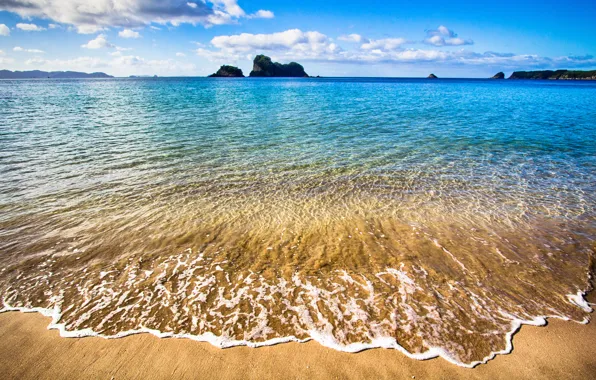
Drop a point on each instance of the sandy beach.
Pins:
(562, 350)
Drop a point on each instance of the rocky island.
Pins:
(264, 67)
(556, 75)
(37, 74)
(432, 76)
(499, 75)
(227, 71)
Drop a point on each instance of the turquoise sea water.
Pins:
(476, 197)
(82, 134)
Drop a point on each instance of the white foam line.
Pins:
(322, 338)
(579, 300)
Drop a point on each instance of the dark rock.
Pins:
(432, 76)
(228, 72)
(264, 67)
(499, 75)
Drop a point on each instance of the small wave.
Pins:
(321, 337)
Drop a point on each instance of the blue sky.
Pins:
(331, 38)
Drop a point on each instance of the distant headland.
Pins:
(556, 75)
(37, 74)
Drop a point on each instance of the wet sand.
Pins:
(29, 351)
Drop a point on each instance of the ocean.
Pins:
(434, 217)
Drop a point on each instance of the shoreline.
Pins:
(562, 349)
(579, 299)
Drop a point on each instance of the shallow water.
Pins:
(429, 216)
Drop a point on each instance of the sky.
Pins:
(329, 38)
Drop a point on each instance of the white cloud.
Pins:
(435, 40)
(1, 52)
(98, 43)
(155, 27)
(458, 42)
(356, 38)
(262, 14)
(443, 36)
(30, 27)
(230, 7)
(440, 41)
(54, 26)
(180, 54)
(128, 33)
(4, 30)
(87, 29)
(93, 16)
(292, 42)
(385, 44)
(441, 31)
(33, 51)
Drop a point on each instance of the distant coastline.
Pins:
(272, 70)
(555, 75)
(37, 74)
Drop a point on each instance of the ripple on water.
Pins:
(348, 212)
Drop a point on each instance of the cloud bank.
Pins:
(440, 46)
(93, 16)
(293, 42)
(120, 65)
(298, 45)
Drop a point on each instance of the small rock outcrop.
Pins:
(264, 67)
(432, 76)
(228, 72)
(499, 75)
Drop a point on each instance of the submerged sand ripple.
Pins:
(350, 265)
